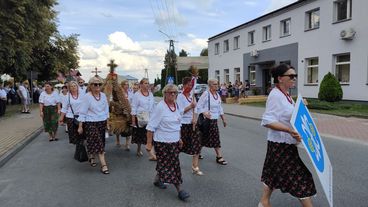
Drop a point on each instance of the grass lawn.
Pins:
(346, 109)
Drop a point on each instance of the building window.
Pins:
(342, 10)
(236, 42)
(285, 27)
(226, 46)
(251, 38)
(237, 74)
(342, 67)
(312, 19)
(312, 70)
(252, 75)
(267, 33)
(217, 48)
(226, 76)
(217, 75)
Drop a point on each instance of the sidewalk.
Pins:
(20, 129)
(17, 131)
(354, 129)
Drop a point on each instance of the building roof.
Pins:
(183, 63)
(127, 77)
(263, 17)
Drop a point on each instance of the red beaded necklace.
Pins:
(99, 97)
(288, 97)
(75, 98)
(173, 110)
(214, 96)
(188, 99)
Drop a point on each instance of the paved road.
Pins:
(44, 174)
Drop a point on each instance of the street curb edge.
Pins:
(18, 147)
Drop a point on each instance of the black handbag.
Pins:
(80, 152)
(203, 122)
(75, 117)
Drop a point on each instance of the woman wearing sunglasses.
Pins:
(283, 169)
(92, 119)
(164, 129)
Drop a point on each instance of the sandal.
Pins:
(159, 185)
(92, 162)
(183, 195)
(139, 154)
(196, 171)
(221, 161)
(106, 171)
(200, 157)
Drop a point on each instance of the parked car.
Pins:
(199, 89)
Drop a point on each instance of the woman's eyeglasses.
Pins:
(97, 84)
(291, 76)
(172, 92)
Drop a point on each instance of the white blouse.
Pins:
(215, 105)
(183, 102)
(69, 102)
(165, 124)
(49, 99)
(142, 103)
(278, 109)
(93, 110)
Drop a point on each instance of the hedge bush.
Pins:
(330, 89)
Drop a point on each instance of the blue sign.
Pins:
(308, 131)
(170, 80)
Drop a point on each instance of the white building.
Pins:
(314, 36)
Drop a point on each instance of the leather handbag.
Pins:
(80, 153)
(203, 122)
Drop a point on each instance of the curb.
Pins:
(346, 139)
(18, 147)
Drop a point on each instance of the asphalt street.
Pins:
(45, 174)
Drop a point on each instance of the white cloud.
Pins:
(121, 41)
(277, 4)
(88, 52)
(250, 3)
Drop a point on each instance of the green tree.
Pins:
(170, 66)
(330, 89)
(204, 52)
(183, 53)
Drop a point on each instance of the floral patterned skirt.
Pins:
(74, 136)
(211, 139)
(50, 119)
(191, 139)
(168, 164)
(283, 169)
(95, 136)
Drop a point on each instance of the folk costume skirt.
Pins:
(74, 136)
(139, 135)
(211, 139)
(50, 119)
(95, 136)
(283, 169)
(168, 164)
(191, 139)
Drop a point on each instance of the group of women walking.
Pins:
(171, 127)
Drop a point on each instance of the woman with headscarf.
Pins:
(283, 169)
(92, 119)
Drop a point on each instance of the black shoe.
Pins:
(200, 157)
(159, 185)
(183, 195)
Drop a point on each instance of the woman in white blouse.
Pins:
(71, 105)
(93, 116)
(164, 129)
(142, 106)
(49, 110)
(283, 169)
(209, 104)
(189, 135)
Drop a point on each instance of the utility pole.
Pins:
(146, 73)
(171, 59)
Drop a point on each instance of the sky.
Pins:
(128, 31)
